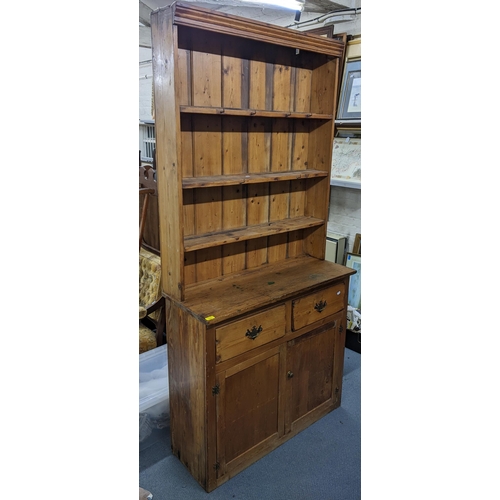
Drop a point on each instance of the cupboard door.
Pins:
(248, 411)
(309, 372)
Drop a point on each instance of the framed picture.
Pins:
(353, 261)
(350, 95)
(356, 248)
(326, 31)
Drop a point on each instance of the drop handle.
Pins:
(320, 306)
(254, 332)
(289, 374)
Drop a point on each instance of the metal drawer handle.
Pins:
(320, 305)
(252, 334)
(289, 374)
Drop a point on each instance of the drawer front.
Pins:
(249, 333)
(317, 306)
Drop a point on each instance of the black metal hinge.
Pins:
(341, 329)
(215, 390)
(216, 465)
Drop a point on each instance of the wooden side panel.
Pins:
(220, 405)
(338, 360)
(187, 391)
(167, 124)
(211, 414)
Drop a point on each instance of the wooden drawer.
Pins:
(249, 333)
(317, 306)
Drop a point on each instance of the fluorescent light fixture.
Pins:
(339, 19)
(287, 4)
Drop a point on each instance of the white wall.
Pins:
(345, 203)
(145, 85)
(345, 213)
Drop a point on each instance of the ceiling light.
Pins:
(340, 19)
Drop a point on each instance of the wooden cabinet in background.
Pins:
(244, 116)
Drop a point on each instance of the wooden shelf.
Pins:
(237, 179)
(208, 110)
(209, 240)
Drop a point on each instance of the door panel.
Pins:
(251, 398)
(309, 372)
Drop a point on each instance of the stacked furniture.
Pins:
(244, 118)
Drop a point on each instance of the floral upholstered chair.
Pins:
(151, 302)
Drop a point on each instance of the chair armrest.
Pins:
(155, 305)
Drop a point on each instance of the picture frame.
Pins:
(325, 31)
(350, 94)
(353, 261)
(356, 247)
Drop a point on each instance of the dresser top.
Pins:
(237, 294)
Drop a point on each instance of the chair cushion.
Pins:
(149, 278)
(147, 339)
